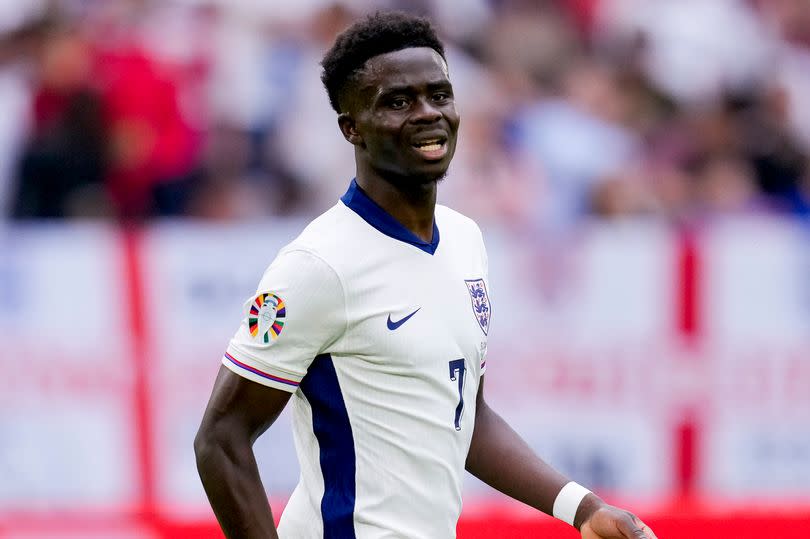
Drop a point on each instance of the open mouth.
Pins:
(432, 148)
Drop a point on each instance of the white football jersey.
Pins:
(382, 339)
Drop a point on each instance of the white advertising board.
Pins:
(66, 426)
(757, 343)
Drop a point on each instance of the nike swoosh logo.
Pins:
(394, 325)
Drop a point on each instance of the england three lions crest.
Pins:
(480, 302)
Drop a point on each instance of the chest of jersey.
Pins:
(416, 333)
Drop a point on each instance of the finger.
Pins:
(632, 528)
(641, 530)
(647, 530)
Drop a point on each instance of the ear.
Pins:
(349, 129)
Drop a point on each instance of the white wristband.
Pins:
(567, 502)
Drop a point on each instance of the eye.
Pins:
(398, 103)
(440, 97)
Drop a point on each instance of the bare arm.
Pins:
(499, 457)
(238, 412)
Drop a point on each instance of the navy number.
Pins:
(457, 369)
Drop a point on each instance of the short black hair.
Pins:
(376, 34)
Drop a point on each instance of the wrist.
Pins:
(568, 501)
(587, 507)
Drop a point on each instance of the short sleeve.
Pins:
(298, 311)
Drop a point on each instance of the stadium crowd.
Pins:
(682, 111)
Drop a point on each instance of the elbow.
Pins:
(205, 447)
(200, 443)
(215, 446)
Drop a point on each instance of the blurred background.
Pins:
(640, 169)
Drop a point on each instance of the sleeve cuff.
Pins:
(252, 370)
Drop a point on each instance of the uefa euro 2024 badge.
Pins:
(266, 317)
(480, 302)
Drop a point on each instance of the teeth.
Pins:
(431, 147)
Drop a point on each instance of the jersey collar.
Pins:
(358, 201)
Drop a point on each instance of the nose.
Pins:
(425, 111)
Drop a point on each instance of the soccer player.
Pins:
(374, 323)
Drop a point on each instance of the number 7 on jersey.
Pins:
(457, 370)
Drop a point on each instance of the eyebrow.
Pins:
(404, 88)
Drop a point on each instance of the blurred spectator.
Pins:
(790, 18)
(577, 137)
(532, 39)
(801, 199)
(772, 148)
(626, 193)
(726, 185)
(725, 35)
(308, 137)
(571, 110)
(153, 147)
(16, 48)
(62, 167)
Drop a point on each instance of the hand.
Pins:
(609, 522)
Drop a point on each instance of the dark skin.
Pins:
(238, 412)
(401, 98)
(401, 119)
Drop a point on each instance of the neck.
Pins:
(410, 202)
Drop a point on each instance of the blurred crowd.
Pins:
(572, 110)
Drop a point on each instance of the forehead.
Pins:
(407, 67)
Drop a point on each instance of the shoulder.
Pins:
(457, 223)
(462, 236)
(332, 237)
(324, 233)
(307, 264)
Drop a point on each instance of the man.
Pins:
(375, 321)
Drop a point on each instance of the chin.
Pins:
(420, 180)
(428, 177)
(435, 173)
(440, 177)
(412, 178)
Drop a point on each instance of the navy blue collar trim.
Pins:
(357, 200)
